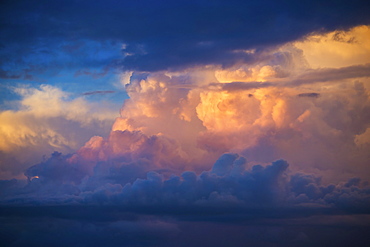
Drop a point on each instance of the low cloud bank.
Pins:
(231, 182)
(127, 205)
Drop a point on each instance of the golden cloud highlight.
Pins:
(337, 49)
(48, 120)
(279, 107)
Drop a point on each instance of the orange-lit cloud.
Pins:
(47, 121)
(280, 108)
(337, 49)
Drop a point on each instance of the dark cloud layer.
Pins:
(130, 229)
(259, 205)
(161, 35)
(231, 182)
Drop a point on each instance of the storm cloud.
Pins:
(266, 204)
(162, 35)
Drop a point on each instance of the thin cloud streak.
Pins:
(332, 74)
(99, 92)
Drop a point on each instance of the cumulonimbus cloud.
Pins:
(164, 145)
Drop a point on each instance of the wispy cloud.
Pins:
(332, 74)
(310, 95)
(99, 92)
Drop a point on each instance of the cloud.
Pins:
(261, 201)
(337, 49)
(162, 35)
(126, 232)
(262, 116)
(231, 184)
(333, 74)
(47, 120)
(230, 125)
(184, 120)
(233, 86)
(98, 92)
(132, 230)
(311, 95)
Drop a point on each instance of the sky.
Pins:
(184, 123)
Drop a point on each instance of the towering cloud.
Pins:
(184, 121)
(193, 117)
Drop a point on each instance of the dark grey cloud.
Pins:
(237, 85)
(309, 95)
(161, 35)
(230, 183)
(332, 74)
(62, 204)
(99, 92)
(54, 226)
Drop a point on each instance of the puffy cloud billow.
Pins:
(231, 182)
(47, 119)
(121, 205)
